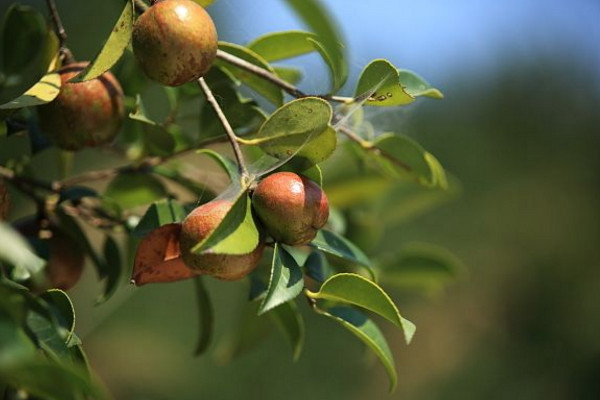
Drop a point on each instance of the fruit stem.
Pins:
(140, 6)
(233, 139)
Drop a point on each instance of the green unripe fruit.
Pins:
(83, 114)
(174, 42)
(196, 226)
(4, 201)
(291, 207)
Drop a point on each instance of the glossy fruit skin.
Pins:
(291, 207)
(4, 201)
(64, 265)
(175, 42)
(199, 223)
(83, 114)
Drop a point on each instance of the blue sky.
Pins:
(438, 38)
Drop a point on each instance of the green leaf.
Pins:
(359, 291)
(417, 86)
(204, 3)
(401, 156)
(158, 214)
(369, 333)
(289, 320)
(205, 314)
(281, 45)
(299, 129)
(379, 85)
(285, 282)
(228, 165)
(63, 308)
(130, 190)
(52, 381)
(112, 255)
(317, 267)
(157, 140)
(42, 92)
(266, 89)
(48, 338)
(329, 45)
(23, 36)
(16, 346)
(236, 234)
(332, 243)
(113, 48)
(420, 265)
(288, 74)
(16, 251)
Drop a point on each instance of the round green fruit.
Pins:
(291, 207)
(65, 260)
(174, 42)
(196, 226)
(83, 114)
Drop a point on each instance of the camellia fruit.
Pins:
(65, 260)
(291, 207)
(196, 226)
(174, 42)
(83, 114)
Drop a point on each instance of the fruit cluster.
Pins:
(289, 209)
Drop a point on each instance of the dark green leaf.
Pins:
(130, 190)
(285, 282)
(417, 86)
(401, 156)
(339, 246)
(159, 213)
(228, 165)
(288, 319)
(114, 266)
(317, 267)
(15, 347)
(76, 193)
(369, 333)
(205, 316)
(300, 129)
(281, 45)
(359, 291)
(63, 309)
(266, 89)
(113, 48)
(49, 339)
(23, 36)
(379, 85)
(236, 234)
(330, 42)
(157, 140)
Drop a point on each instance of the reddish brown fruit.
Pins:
(4, 201)
(83, 114)
(196, 226)
(291, 207)
(174, 42)
(158, 258)
(65, 263)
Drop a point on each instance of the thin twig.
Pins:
(295, 92)
(261, 72)
(60, 29)
(228, 129)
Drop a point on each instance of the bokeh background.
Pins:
(520, 129)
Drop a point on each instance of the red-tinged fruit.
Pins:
(174, 42)
(291, 207)
(84, 114)
(197, 226)
(158, 258)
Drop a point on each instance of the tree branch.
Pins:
(233, 139)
